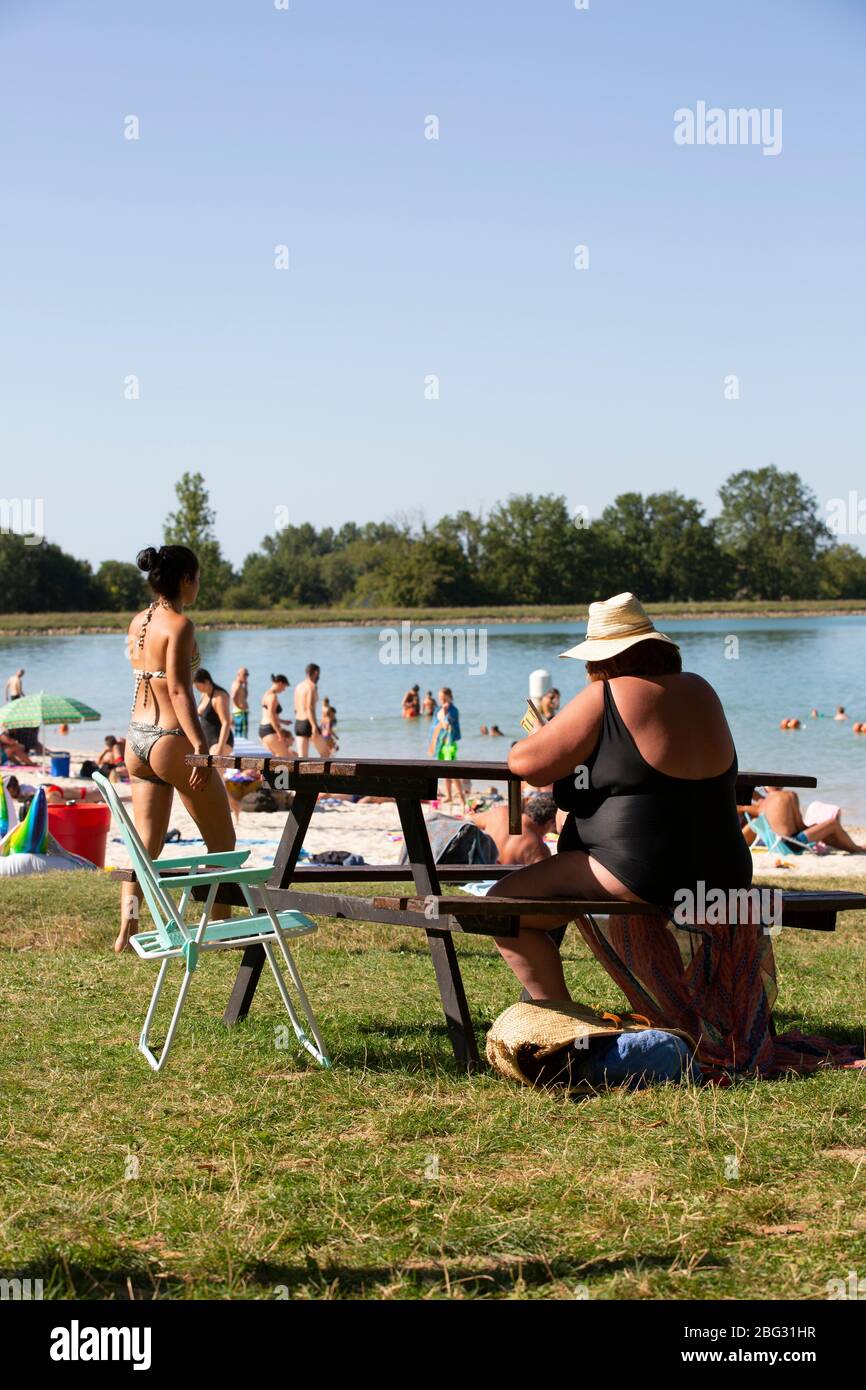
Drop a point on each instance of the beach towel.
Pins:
(457, 842)
(342, 857)
(716, 983)
(448, 738)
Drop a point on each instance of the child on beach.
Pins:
(443, 744)
(328, 724)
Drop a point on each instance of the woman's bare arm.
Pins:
(178, 671)
(269, 707)
(559, 747)
(221, 705)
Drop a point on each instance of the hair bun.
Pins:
(146, 559)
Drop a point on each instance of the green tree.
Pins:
(770, 528)
(660, 547)
(625, 528)
(287, 569)
(121, 587)
(43, 579)
(193, 525)
(426, 571)
(532, 551)
(842, 572)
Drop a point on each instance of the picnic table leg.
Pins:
(515, 808)
(292, 838)
(442, 952)
(245, 984)
(247, 978)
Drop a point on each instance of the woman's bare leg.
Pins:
(532, 954)
(151, 808)
(782, 810)
(456, 783)
(834, 834)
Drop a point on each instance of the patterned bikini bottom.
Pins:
(142, 738)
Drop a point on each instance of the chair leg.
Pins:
(157, 1063)
(316, 1049)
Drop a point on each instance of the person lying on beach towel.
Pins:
(644, 763)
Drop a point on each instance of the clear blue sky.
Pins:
(305, 388)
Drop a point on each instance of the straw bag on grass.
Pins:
(547, 1043)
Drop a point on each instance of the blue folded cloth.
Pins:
(641, 1059)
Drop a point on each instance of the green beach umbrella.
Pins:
(31, 711)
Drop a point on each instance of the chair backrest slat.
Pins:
(165, 916)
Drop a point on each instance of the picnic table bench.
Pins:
(411, 782)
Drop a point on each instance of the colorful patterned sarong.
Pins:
(716, 983)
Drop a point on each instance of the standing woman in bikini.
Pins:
(276, 739)
(164, 725)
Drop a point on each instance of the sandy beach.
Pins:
(371, 831)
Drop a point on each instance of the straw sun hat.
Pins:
(540, 1043)
(614, 625)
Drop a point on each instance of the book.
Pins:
(533, 718)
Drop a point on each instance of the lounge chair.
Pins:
(769, 839)
(173, 939)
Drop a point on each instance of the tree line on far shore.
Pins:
(768, 542)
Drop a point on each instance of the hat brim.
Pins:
(601, 648)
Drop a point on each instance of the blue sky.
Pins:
(304, 388)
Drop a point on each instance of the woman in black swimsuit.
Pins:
(643, 762)
(272, 733)
(214, 713)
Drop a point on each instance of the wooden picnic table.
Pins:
(411, 782)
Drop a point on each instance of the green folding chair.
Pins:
(173, 939)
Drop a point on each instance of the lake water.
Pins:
(782, 667)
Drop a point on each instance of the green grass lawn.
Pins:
(244, 1171)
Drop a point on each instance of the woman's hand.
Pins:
(200, 776)
(557, 748)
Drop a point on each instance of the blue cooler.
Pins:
(59, 764)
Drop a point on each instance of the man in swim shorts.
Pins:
(306, 723)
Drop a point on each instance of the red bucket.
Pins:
(82, 829)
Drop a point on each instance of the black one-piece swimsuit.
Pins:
(657, 834)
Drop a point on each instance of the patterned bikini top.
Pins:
(145, 677)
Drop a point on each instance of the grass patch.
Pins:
(258, 1173)
(50, 624)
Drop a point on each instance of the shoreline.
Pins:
(101, 624)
